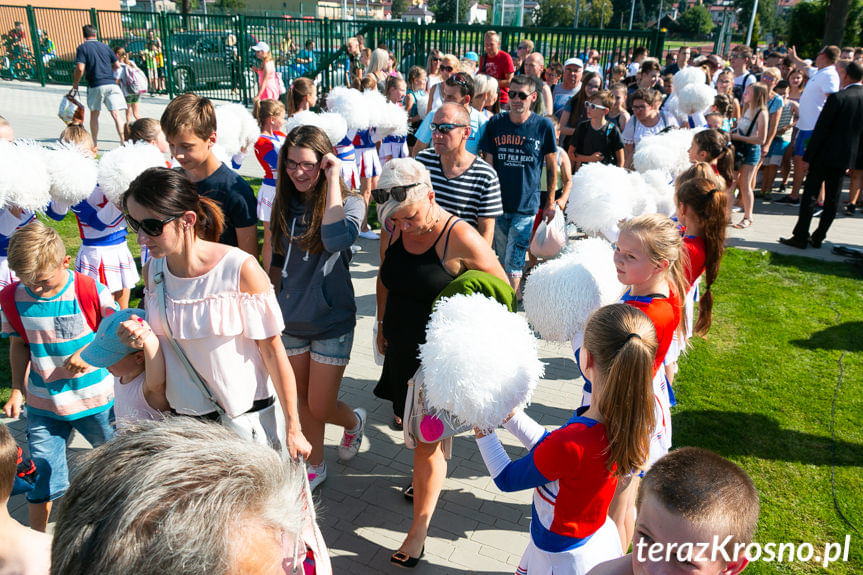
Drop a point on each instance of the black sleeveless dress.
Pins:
(413, 281)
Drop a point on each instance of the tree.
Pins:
(397, 8)
(767, 18)
(696, 21)
(599, 13)
(834, 24)
(804, 31)
(444, 11)
(556, 13)
(235, 6)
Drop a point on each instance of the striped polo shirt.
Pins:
(472, 195)
(56, 328)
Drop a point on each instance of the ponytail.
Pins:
(717, 145)
(300, 88)
(142, 130)
(622, 341)
(708, 205)
(266, 109)
(211, 220)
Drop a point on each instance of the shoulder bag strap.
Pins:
(159, 279)
(752, 123)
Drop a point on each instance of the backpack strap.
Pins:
(10, 310)
(87, 295)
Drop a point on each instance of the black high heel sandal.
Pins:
(402, 559)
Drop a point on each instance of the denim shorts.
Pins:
(803, 137)
(753, 155)
(333, 351)
(47, 438)
(511, 241)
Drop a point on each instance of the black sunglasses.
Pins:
(521, 95)
(150, 226)
(447, 68)
(445, 128)
(398, 193)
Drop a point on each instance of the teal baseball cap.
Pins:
(106, 349)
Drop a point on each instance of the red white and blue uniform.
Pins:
(368, 162)
(347, 154)
(9, 222)
(104, 253)
(664, 313)
(570, 531)
(267, 152)
(692, 270)
(394, 146)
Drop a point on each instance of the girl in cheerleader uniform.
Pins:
(346, 153)
(368, 162)
(575, 469)
(395, 146)
(270, 115)
(104, 253)
(10, 220)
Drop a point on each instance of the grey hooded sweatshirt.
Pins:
(316, 294)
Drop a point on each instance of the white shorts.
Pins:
(604, 545)
(7, 276)
(109, 94)
(394, 150)
(113, 266)
(351, 174)
(368, 162)
(266, 195)
(660, 439)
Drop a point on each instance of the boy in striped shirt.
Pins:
(49, 325)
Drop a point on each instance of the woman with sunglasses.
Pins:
(575, 111)
(423, 248)
(433, 68)
(448, 67)
(314, 222)
(221, 312)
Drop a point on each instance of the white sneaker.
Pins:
(350, 445)
(369, 235)
(317, 475)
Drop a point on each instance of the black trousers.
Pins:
(832, 180)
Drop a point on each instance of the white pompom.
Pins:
(422, 105)
(29, 183)
(120, 166)
(662, 189)
(560, 294)
(643, 197)
(7, 170)
(73, 172)
(695, 98)
(688, 76)
(672, 107)
(668, 152)
(600, 198)
(236, 128)
(333, 125)
(350, 105)
(479, 360)
(221, 154)
(392, 121)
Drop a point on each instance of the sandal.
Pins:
(397, 424)
(742, 224)
(402, 559)
(408, 492)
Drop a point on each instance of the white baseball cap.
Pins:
(574, 62)
(261, 47)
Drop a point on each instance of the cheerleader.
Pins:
(575, 469)
(104, 254)
(270, 115)
(302, 96)
(11, 219)
(713, 147)
(368, 162)
(394, 146)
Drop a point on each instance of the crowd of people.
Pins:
(259, 347)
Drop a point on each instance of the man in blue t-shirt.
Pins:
(97, 62)
(516, 143)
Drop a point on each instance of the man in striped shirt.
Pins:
(63, 392)
(464, 184)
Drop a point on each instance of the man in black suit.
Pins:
(833, 148)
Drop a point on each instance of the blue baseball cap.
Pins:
(106, 349)
(472, 56)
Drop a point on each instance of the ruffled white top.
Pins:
(216, 326)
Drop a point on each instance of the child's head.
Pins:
(8, 463)
(755, 96)
(725, 82)
(696, 171)
(599, 104)
(108, 351)
(189, 123)
(302, 95)
(723, 104)
(618, 73)
(120, 53)
(619, 348)
(553, 72)
(396, 89)
(693, 496)
(712, 146)
(147, 130)
(714, 120)
(618, 91)
(38, 257)
(270, 114)
(75, 134)
(365, 84)
(782, 87)
(417, 78)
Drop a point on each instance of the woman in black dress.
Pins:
(423, 248)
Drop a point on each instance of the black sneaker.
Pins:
(817, 213)
(849, 210)
(788, 200)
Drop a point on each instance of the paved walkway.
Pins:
(476, 528)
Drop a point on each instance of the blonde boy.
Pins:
(48, 317)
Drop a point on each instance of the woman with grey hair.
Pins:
(423, 248)
(379, 67)
(183, 496)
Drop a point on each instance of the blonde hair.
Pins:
(773, 72)
(622, 341)
(35, 249)
(377, 61)
(452, 59)
(759, 97)
(662, 241)
(78, 135)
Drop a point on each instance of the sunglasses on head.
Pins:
(458, 80)
(521, 95)
(592, 106)
(446, 128)
(398, 193)
(150, 226)
(447, 68)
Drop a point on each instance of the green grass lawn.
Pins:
(762, 391)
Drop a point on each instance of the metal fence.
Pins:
(211, 54)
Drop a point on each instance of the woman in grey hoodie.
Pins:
(315, 220)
